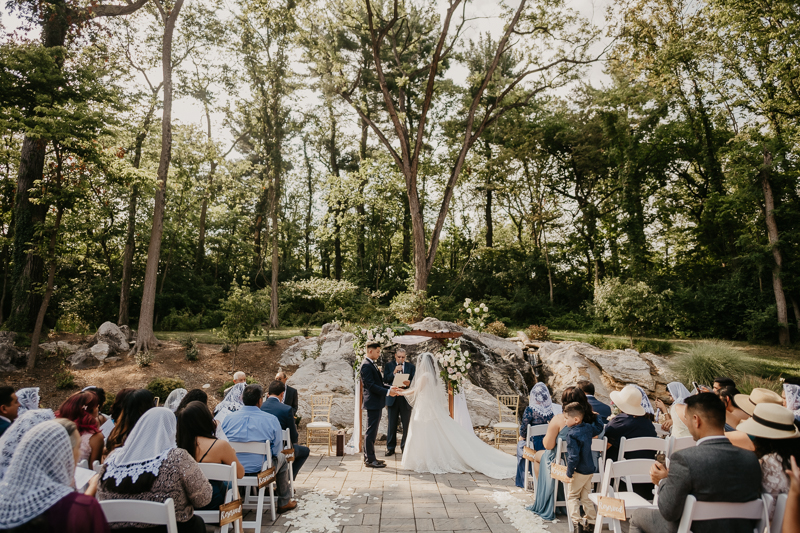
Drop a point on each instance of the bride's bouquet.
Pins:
(454, 364)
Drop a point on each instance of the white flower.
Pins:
(481, 323)
(469, 365)
(468, 301)
(469, 311)
(363, 332)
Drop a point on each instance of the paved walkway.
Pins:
(392, 499)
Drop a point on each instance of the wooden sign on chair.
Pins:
(559, 472)
(528, 453)
(230, 512)
(611, 508)
(265, 477)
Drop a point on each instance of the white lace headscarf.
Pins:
(149, 443)
(40, 474)
(174, 399)
(679, 392)
(10, 440)
(28, 399)
(648, 407)
(540, 400)
(792, 393)
(233, 400)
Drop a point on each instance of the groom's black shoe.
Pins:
(375, 464)
(377, 461)
(389, 453)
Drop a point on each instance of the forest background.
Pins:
(370, 161)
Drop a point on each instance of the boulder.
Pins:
(63, 346)
(110, 334)
(100, 351)
(130, 335)
(333, 342)
(11, 358)
(82, 359)
(329, 373)
(330, 327)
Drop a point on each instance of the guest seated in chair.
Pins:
(9, 407)
(290, 398)
(539, 412)
(714, 470)
(196, 435)
(251, 424)
(150, 467)
(274, 405)
(603, 410)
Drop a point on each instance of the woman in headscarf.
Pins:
(677, 411)
(174, 399)
(10, 440)
(38, 493)
(791, 399)
(136, 404)
(194, 395)
(539, 412)
(28, 399)
(83, 408)
(150, 467)
(232, 402)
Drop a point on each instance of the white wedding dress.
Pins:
(438, 444)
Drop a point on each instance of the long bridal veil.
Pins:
(438, 444)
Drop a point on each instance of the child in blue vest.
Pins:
(580, 467)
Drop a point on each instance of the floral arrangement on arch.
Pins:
(454, 364)
(383, 334)
(477, 314)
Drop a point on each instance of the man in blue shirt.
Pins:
(274, 405)
(251, 424)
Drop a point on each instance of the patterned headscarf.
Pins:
(648, 407)
(149, 443)
(679, 392)
(40, 474)
(540, 400)
(233, 400)
(792, 393)
(10, 440)
(28, 399)
(174, 399)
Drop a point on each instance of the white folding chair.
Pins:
(598, 445)
(694, 510)
(83, 464)
(153, 513)
(614, 471)
(777, 516)
(220, 472)
(287, 445)
(678, 444)
(96, 466)
(538, 430)
(256, 502)
(639, 444)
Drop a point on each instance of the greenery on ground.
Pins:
(161, 387)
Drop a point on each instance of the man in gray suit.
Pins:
(713, 471)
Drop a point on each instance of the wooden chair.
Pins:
(220, 472)
(320, 424)
(508, 421)
(256, 501)
(694, 511)
(157, 514)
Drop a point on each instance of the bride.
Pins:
(438, 444)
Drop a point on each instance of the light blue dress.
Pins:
(545, 485)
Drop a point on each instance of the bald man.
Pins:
(290, 397)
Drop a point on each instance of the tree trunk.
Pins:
(201, 232)
(127, 257)
(307, 229)
(362, 155)
(5, 282)
(796, 312)
(489, 224)
(37, 330)
(547, 262)
(406, 256)
(145, 338)
(772, 233)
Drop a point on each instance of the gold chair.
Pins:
(320, 424)
(508, 421)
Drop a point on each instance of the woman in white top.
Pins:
(677, 411)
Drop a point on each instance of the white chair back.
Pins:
(538, 430)
(694, 510)
(220, 472)
(256, 502)
(157, 514)
(96, 466)
(83, 464)
(640, 444)
(678, 444)
(287, 445)
(777, 516)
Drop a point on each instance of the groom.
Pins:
(397, 407)
(374, 400)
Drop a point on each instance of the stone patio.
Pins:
(392, 499)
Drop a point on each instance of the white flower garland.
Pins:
(454, 363)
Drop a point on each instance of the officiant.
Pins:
(397, 407)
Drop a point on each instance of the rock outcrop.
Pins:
(112, 336)
(10, 356)
(567, 363)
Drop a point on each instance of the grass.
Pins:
(207, 336)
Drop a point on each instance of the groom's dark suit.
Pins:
(397, 407)
(373, 401)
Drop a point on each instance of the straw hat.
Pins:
(770, 421)
(629, 400)
(748, 403)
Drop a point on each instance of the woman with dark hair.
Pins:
(196, 435)
(136, 404)
(194, 395)
(82, 408)
(733, 414)
(149, 467)
(557, 429)
(119, 400)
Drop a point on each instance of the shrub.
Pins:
(192, 352)
(161, 387)
(704, 361)
(497, 328)
(632, 308)
(228, 384)
(657, 347)
(110, 399)
(183, 320)
(748, 383)
(244, 310)
(65, 379)
(71, 323)
(226, 348)
(597, 340)
(144, 358)
(538, 333)
(413, 306)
